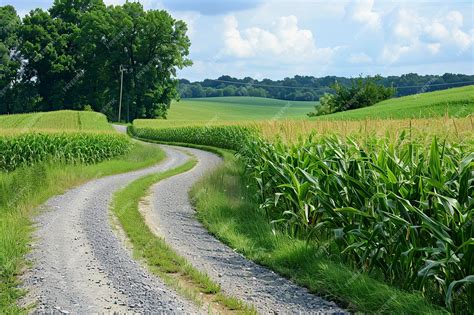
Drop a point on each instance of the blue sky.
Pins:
(281, 38)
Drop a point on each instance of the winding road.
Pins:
(80, 263)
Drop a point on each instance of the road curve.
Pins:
(172, 217)
(80, 266)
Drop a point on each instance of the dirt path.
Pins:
(80, 265)
(172, 216)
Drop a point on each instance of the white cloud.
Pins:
(415, 35)
(359, 58)
(285, 40)
(362, 12)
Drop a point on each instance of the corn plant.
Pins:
(30, 148)
(394, 209)
(227, 137)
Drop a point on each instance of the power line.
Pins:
(313, 88)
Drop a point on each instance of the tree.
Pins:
(229, 90)
(72, 54)
(363, 92)
(9, 59)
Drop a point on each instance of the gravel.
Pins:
(81, 266)
(172, 217)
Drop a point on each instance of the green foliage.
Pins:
(31, 148)
(393, 209)
(325, 107)
(362, 93)
(72, 55)
(229, 137)
(88, 108)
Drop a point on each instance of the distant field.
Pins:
(238, 108)
(65, 120)
(455, 102)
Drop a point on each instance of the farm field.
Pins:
(454, 102)
(369, 181)
(61, 121)
(237, 108)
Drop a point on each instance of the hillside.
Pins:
(64, 120)
(456, 102)
(237, 108)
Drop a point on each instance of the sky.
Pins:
(282, 38)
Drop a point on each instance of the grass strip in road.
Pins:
(159, 257)
(226, 209)
(22, 190)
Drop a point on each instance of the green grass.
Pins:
(455, 102)
(226, 208)
(22, 190)
(237, 108)
(158, 256)
(63, 120)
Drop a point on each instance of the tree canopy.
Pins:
(70, 56)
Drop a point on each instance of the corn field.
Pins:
(30, 148)
(227, 137)
(394, 208)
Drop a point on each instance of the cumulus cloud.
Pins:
(362, 11)
(411, 33)
(284, 40)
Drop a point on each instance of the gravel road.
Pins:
(81, 266)
(171, 216)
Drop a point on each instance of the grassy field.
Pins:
(63, 120)
(237, 108)
(455, 102)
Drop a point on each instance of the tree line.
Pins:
(309, 88)
(70, 56)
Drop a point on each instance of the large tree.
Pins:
(149, 45)
(70, 56)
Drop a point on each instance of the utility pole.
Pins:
(121, 87)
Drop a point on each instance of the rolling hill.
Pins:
(455, 102)
(63, 120)
(238, 108)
